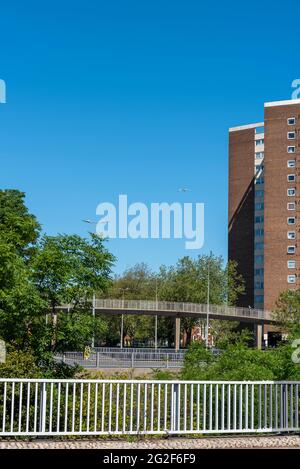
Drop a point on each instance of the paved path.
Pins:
(290, 441)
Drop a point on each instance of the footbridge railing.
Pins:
(32, 407)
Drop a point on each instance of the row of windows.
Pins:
(290, 234)
(291, 264)
(291, 192)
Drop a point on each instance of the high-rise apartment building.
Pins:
(264, 198)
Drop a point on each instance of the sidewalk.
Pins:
(289, 441)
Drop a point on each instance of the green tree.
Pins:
(21, 307)
(18, 228)
(239, 362)
(287, 312)
(68, 269)
(188, 281)
(138, 282)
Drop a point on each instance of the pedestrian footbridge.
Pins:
(178, 310)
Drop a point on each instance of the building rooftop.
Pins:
(248, 126)
(283, 103)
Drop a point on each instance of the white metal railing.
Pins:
(124, 359)
(146, 305)
(140, 350)
(119, 407)
(179, 307)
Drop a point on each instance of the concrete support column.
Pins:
(258, 335)
(177, 334)
(155, 333)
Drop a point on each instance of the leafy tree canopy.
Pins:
(19, 228)
(287, 312)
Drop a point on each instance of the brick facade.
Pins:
(271, 198)
(240, 208)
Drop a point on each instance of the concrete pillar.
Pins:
(258, 335)
(177, 334)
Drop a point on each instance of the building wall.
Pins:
(276, 200)
(241, 207)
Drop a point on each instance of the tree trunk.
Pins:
(54, 326)
(188, 336)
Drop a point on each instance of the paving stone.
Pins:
(278, 441)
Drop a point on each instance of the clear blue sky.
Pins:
(135, 97)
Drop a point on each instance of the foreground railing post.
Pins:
(43, 403)
(176, 407)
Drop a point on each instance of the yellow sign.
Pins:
(87, 353)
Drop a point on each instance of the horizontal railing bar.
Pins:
(147, 432)
(138, 381)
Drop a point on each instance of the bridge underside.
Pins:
(245, 322)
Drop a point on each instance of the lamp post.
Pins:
(156, 318)
(94, 314)
(207, 305)
(122, 316)
(149, 282)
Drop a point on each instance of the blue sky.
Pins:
(131, 97)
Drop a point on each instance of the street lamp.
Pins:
(156, 307)
(122, 316)
(207, 306)
(94, 313)
(156, 318)
(92, 222)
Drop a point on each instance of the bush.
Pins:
(20, 364)
(239, 363)
(25, 364)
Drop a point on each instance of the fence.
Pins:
(124, 359)
(119, 407)
(180, 307)
(159, 350)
